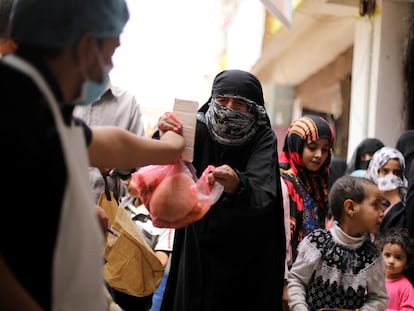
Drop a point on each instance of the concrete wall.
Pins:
(377, 94)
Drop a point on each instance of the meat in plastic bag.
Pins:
(173, 195)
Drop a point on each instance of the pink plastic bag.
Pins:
(173, 195)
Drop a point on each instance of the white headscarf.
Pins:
(379, 159)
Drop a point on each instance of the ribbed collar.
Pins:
(344, 239)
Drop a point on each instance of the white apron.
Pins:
(77, 282)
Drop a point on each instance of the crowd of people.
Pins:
(326, 216)
(283, 235)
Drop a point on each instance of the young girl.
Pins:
(304, 171)
(340, 268)
(398, 252)
(304, 167)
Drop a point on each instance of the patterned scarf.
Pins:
(230, 127)
(308, 191)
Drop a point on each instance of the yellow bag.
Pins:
(131, 265)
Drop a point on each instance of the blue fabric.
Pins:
(359, 173)
(157, 297)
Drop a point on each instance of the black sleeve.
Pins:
(86, 129)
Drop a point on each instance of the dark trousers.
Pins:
(132, 303)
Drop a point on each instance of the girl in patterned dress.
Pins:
(304, 167)
(304, 170)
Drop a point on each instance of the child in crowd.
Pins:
(398, 252)
(340, 268)
(304, 170)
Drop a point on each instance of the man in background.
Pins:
(116, 107)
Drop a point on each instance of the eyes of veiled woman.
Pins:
(233, 103)
(391, 167)
(384, 171)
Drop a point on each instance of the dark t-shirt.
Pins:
(35, 176)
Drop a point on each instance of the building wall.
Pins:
(377, 93)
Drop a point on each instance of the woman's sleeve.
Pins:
(258, 182)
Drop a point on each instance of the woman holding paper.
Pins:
(233, 258)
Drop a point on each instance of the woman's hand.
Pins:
(169, 122)
(226, 176)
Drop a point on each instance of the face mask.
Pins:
(389, 182)
(363, 164)
(92, 90)
(229, 127)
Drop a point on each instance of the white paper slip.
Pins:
(186, 113)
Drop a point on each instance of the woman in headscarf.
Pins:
(386, 169)
(304, 167)
(233, 258)
(361, 156)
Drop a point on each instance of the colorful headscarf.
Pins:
(307, 130)
(308, 191)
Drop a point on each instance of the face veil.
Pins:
(230, 127)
